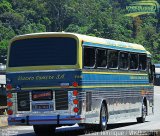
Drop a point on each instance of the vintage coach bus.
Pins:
(56, 79)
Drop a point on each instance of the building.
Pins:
(157, 75)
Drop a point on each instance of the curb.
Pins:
(3, 121)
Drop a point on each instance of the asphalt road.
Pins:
(125, 128)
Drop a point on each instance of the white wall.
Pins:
(2, 79)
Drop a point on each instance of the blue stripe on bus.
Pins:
(92, 79)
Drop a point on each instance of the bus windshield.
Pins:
(43, 51)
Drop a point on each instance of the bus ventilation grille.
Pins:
(23, 99)
(61, 99)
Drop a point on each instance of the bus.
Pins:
(59, 78)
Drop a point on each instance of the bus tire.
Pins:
(41, 130)
(103, 118)
(144, 113)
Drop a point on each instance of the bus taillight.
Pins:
(75, 109)
(9, 104)
(8, 87)
(75, 92)
(9, 112)
(74, 84)
(9, 95)
(75, 101)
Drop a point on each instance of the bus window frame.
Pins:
(139, 63)
(127, 60)
(108, 59)
(130, 62)
(94, 59)
(106, 53)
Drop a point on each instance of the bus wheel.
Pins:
(44, 130)
(103, 118)
(144, 113)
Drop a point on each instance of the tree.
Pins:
(32, 28)
(102, 18)
(58, 13)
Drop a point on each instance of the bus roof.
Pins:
(92, 41)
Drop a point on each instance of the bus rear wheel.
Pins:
(103, 118)
(144, 113)
(44, 130)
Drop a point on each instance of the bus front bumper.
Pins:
(39, 120)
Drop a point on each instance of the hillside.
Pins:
(102, 18)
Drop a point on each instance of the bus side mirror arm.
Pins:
(153, 72)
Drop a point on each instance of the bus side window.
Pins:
(89, 57)
(142, 62)
(133, 61)
(101, 58)
(123, 60)
(113, 59)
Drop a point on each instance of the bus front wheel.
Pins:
(41, 130)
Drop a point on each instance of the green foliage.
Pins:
(102, 18)
(3, 50)
(5, 7)
(3, 44)
(6, 33)
(32, 28)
